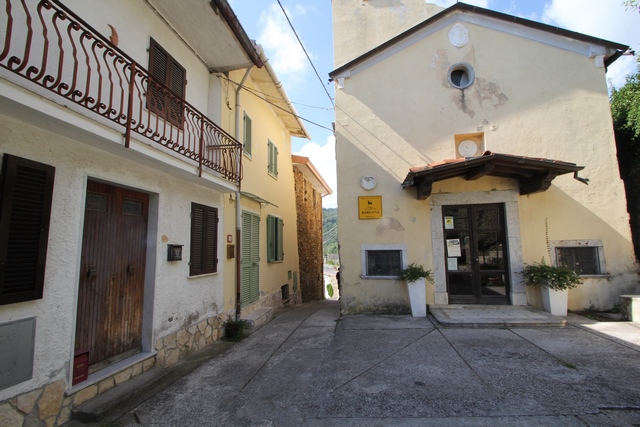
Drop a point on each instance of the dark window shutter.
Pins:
(204, 240)
(166, 73)
(26, 189)
(271, 238)
(280, 239)
(246, 134)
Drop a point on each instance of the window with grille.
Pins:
(273, 159)
(275, 239)
(26, 190)
(167, 84)
(246, 134)
(584, 256)
(583, 260)
(383, 261)
(204, 240)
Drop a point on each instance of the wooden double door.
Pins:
(476, 254)
(111, 288)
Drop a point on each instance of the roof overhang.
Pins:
(212, 30)
(311, 173)
(534, 174)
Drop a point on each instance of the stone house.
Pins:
(127, 127)
(310, 189)
(464, 140)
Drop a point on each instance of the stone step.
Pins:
(493, 315)
(257, 318)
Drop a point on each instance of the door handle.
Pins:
(131, 269)
(91, 271)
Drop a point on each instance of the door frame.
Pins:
(473, 256)
(150, 266)
(509, 198)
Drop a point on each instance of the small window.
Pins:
(461, 75)
(167, 85)
(582, 260)
(246, 134)
(26, 190)
(275, 239)
(585, 257)
(204, 240)
(273, 159)
(382, 261)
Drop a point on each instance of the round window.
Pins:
(461, 75)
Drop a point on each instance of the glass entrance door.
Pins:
(476, 254)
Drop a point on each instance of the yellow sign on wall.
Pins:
(370, 207)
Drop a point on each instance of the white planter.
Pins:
(418, 297)
(555, 302)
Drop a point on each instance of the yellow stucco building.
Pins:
(462, 131)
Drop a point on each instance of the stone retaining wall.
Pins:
(49, 406)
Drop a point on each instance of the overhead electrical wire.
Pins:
(305, 52)
(258, 95)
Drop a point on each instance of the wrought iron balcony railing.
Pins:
(47, 44)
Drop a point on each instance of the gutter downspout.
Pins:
(238, 207)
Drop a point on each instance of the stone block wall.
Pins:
(49, 406)
(309, 208)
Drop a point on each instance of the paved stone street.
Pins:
(307, 368)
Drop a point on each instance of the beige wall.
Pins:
(278, 191)
(529, 98)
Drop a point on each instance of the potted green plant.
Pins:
(554, 282)
(416, 276)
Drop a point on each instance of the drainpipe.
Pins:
(238, 208)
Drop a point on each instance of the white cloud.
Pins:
(604, 19)
(323, 158)
(284, 52)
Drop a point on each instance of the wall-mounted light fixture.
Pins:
(174, 252)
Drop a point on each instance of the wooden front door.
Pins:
(110, 299)
(476, 254)
(250, 287)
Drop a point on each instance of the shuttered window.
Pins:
(275, 239)
(167, 87)
(204, 240)
(26, 189)
(246, 134)
(273, 159)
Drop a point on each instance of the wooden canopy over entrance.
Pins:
(534, 174)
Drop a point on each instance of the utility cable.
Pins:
(305, 52)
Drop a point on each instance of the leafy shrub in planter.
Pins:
(414, 272)
(234, 329)
(557, 278)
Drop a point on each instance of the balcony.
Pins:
(49, 49)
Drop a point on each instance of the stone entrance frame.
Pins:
(509, 199)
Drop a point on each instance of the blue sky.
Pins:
(264, 21)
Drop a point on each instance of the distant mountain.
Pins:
(329, 231)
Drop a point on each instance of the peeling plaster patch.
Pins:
(193, 317)
(485, 90)
(441, 63)
(388, 225)
(458, 99)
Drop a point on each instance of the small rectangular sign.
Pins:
(369, 207)
(453, 248)
(16, 351)
(448, 222)
(452, 264)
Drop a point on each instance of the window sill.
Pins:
(594, 276)
(275, 262)
(202, 275)
(272, 175)
(379, 277)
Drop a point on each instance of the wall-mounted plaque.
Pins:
(369, 207)
(16, 351)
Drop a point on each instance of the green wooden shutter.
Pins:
(250, 264)
(275, 160)
(271, 238)
(246, 134)
(26, 190)
(279, 239)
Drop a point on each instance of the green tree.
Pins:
(625, 110)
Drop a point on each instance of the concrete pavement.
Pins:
(310, 367)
